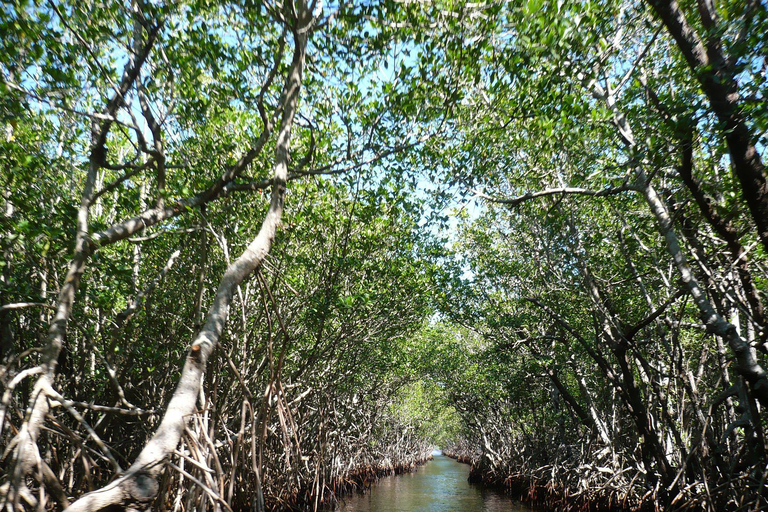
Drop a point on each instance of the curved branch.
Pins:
(138, 487)
(564, 191)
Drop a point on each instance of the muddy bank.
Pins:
(548, 496)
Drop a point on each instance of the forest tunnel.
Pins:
(256, 255)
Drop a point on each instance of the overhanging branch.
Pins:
(564, 191)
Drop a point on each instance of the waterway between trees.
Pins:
(439, 486)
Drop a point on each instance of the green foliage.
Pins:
(405, 289)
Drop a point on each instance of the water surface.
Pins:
(439, 486)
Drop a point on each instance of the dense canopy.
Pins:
(257, 253)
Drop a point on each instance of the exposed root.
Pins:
(550, 496)
(357, 480)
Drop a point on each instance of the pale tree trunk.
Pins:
(6, 334)
(746, 359)
(26, 456)
(138, 487)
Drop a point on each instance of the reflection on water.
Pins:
(439, 486)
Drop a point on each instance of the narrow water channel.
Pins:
(439, 486)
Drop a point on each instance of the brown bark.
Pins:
(717, 78)
(616, 333)
(584, 416)
(650, 445)
(574, 404)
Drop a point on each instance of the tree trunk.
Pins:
(138, 487)
(746, 359)
(716, 76)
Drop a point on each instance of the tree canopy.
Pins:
(255, 254)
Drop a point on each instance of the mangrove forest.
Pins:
(256, 255)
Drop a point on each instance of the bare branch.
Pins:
(515, 201)
(115, 183)
(22, 305)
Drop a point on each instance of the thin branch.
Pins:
(515, 201)
(213, 494)
(114, 184)
(21, 305)
(637, 62)
(9, 392)
(329, 169)
(105, 408)
(326, 170)
(52, 393)
(268, 82)
(653, 316)
(156, 234)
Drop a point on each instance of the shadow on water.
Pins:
(439, 486)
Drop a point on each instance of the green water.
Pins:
(439, 486)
